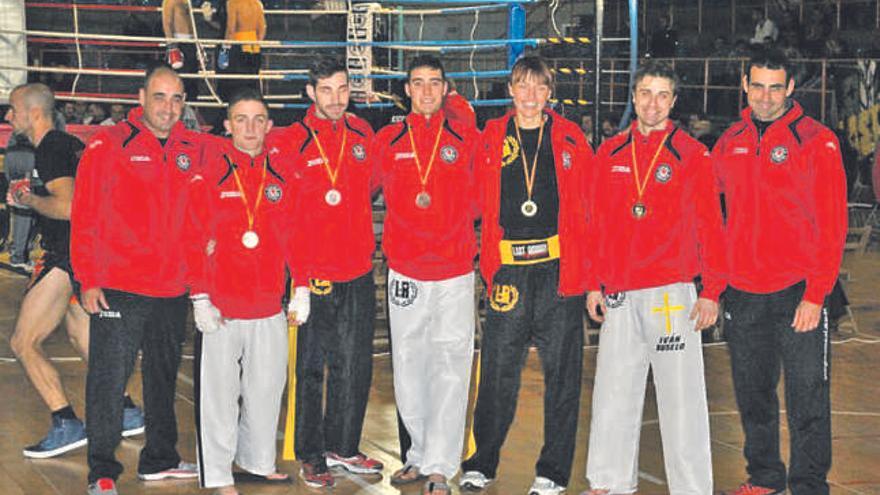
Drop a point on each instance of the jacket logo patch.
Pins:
(779, 154)
(663, 173)
(830, 145)
(115, 315)
(95, 143)
(273, 193)
(320, 287)
(274, 150)
(620, 169)
(504, 298)
(448, 154)
(739, 150)
(140, 158)
(230, 194)
(403, 292)
(314, 161)
(183, 162)
(403, 155)
(566, 160)
(359, 152)
(615, 300)
(509, 151)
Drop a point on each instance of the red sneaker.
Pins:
(750, 489)
(357, 464)
(316, 476)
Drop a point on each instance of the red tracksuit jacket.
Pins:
(243, 283)
(785, 195)
(438, 242)
(128, 220)
(337, 241)
(573, 157)
(458, 109)
(682, 233)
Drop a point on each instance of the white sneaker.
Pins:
(544, 486)
(474, 481)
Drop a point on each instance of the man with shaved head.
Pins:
(127, 247)
(48, 191)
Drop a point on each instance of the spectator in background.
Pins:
(18, 167)
(664, 40)
(95, 114)
(587, 127)
(765, 28)
(117, 114)
(80, 108)
(68, 111)
(609, 128)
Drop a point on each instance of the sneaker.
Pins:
(104, 486)
(750, 489)
(544, 486)
(474, 481)
(182, 471)
(316, 476)
(357, 464)
(23, 266)
(132, 421)
(64, 436)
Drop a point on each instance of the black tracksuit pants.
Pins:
(157, 327)
(761, 340)
(524, 308)
(338, 334)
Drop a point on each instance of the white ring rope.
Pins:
(79, 60)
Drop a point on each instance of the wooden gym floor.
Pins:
(856, 417)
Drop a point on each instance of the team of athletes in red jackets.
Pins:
(159, 211)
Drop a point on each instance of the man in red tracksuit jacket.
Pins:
(427, 179)
(531, 174)
(785, 192)
(128, 233)
(332, 170)
(656, 224)
(244, 238)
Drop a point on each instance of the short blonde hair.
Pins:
(531, 66)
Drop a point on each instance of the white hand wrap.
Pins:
(205, 314)
(298, 309)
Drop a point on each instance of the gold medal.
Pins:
(529, 208)
(423, 200)
(333, 197)
(250, 239)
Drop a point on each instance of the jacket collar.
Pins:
(794, 112)
(136, 120)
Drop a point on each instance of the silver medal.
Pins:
(333, 197)
(529, 208)
(250, 239)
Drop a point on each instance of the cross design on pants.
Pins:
(667, 310)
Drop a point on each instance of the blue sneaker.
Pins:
(132, 421)
(64, 436)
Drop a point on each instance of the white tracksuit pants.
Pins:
(650, 328)
(432, 342)
(244, 359)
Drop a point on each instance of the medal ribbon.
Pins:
(333, 174)
(251, 214)
(529, 176)
(423, 179)
(642, 185)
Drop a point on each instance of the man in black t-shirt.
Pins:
(48, 301)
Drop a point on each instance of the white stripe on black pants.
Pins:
(432, 334)
(246, 359)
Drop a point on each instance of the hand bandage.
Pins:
(205, 314)
(298, 309)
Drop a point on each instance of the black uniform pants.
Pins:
(760, 336)
(338, 335)
(134, 323)
(525, 307)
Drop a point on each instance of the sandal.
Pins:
(434, 486)
(406, 475)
